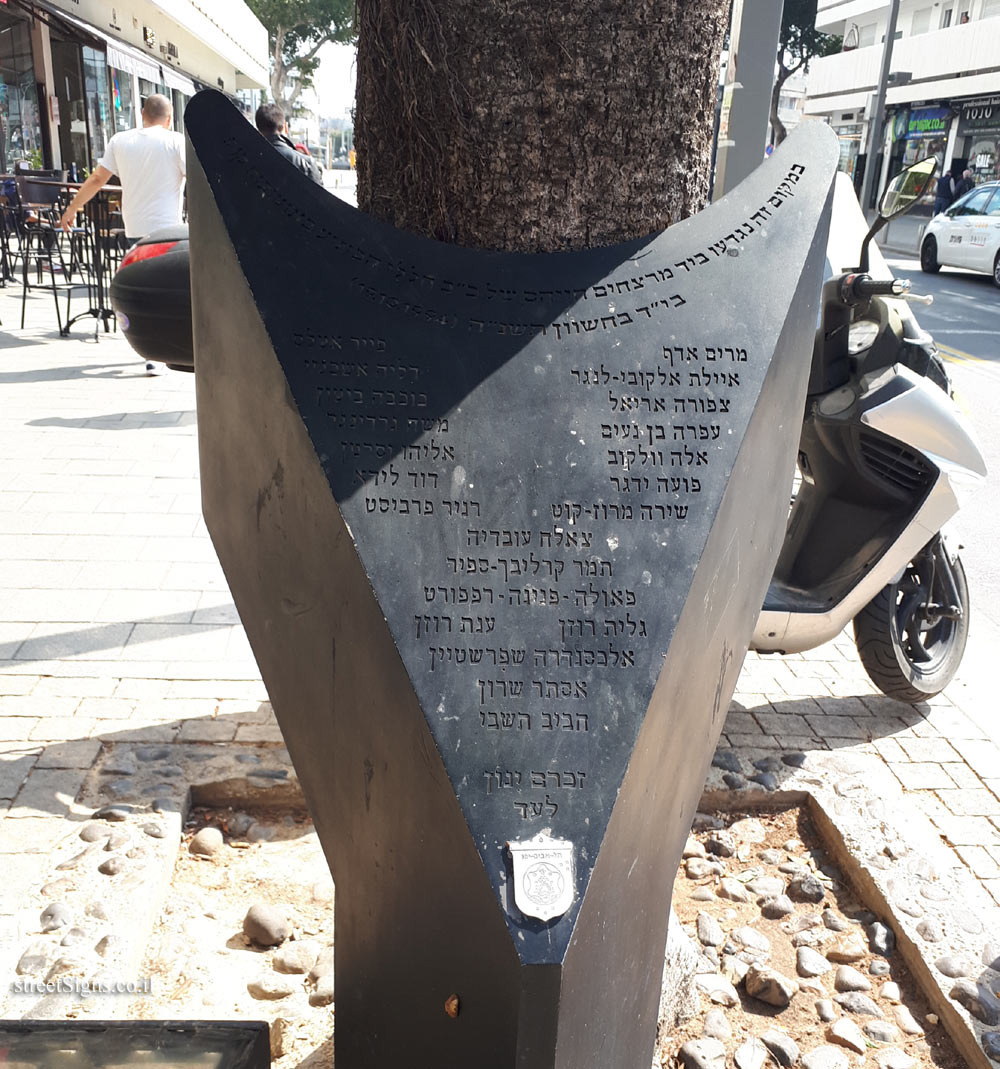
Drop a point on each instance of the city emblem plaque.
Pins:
(498, 527)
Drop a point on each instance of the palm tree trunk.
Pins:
(519, 125)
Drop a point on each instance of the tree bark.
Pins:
(519, 125)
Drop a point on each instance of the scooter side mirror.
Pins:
(900, 195)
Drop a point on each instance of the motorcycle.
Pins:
(885, 460)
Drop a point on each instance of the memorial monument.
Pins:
(498, 527)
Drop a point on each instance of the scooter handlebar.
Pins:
(862, 287)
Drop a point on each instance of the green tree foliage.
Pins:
(799, 43)
(296, 31)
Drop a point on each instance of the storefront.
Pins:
(978, 141)
(67, 85)
(849, 136)
(924, 133)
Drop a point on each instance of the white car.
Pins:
(966, 235)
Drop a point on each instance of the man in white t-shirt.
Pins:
(150, 165)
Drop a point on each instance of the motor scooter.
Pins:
(885, 460)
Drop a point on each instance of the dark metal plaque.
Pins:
(127, 1044)
(498, 527)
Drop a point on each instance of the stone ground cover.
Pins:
(795, 970)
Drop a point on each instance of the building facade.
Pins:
(75, 72)
(944, 93)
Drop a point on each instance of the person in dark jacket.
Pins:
(945, 193)
(964, 184)
(270, 121)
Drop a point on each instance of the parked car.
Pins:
(965, 235)
(151, 296)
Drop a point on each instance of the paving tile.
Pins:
(967, 831)
(123, 575)
(271, 733)
(73, 687)
(993, 886)
(979, 861)
(54, 641)
(841, 727)
(262, 713)
(939, 750)
(982, 757)
(889, 749)
(962, 775)
(922, 777)
(207, 731)
(134, 731)
(17, 685)
(970, 803)
(80, 753)
(190, 642)
(46, 792)
(71, 605)
(127, 504)
(33, 705)
(955, 725)
(200, 577)
(142, 689)
(163, 606)
(742, 724)
(37, 575)
(60, 729)
(215, 610)
(242, 693)
(14, 769)
(780, 724)
(28, 835)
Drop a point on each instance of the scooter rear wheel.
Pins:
(910, 649)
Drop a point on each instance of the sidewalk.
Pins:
(116, 624)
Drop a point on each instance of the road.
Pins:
(965, 323)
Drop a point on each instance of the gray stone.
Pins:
(768, 764)
(766, 886)
(702, 1054)
(991, 1044)
(66, 967)
(857, 1003)
(716, 1026)
(73, 937)
(266, 926)
(117, 812)
(170, 771)
(697, 868)
(119, 788)
(881, 938)
(770, 986)
(934, 892)
(809, 963)
(92, 833)
(827, 1010)
(806, 889)
(779, 906)
(849, 979)
(803, 922)
(978, 1000)
(152, 753)
(298, 956)
(721, 843)
(706, 822)
(260, 833)
(848, 949)
(733, 780)
(752, 939)
(248, 758)
(847, 1034)
(907, 1022)
(783, 1048)
(967, 920)
(54, 916)
(272, 986)
(119, 764)
(991, 956)
(207, 842)
(768, 780)
(323, 966)
(116, 840)
(165, 804)
(57, 888)
(718, 989)
(795, 759)
(811, 937)
(710, 933)
(692, 848)
(751, 1054)
(112, 866)
(879, 967)
(954, 966)
(34, 960)
(98, 909)
(894, 1058)
(851, 787)
(791, 846)
(733, 890)
(154, 830)
(825, 1057)
(727, 760)
(834, 921)
(794, 868)
(76, 860)
(240, 823)
(881, 1032)
(322, 993)
(109, 945)
(734, 969)
(771, 857)
(703, 894)
(890, 992)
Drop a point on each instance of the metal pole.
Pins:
(877, 118)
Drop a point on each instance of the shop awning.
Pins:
(181, 82)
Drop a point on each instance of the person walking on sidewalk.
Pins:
(964, 184)
(149, 163)
(270, 121)
(945, 192)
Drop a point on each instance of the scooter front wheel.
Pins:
(911, 636)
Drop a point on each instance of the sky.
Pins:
(334, 81)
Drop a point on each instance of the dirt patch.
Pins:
(788, 839)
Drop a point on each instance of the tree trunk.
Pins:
(777, 126)
(519, 125)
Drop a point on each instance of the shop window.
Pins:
(22, 127)
(122, 100)
(97, 94)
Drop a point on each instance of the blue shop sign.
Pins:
(928, 122)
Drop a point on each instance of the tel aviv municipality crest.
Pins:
(543, 876)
